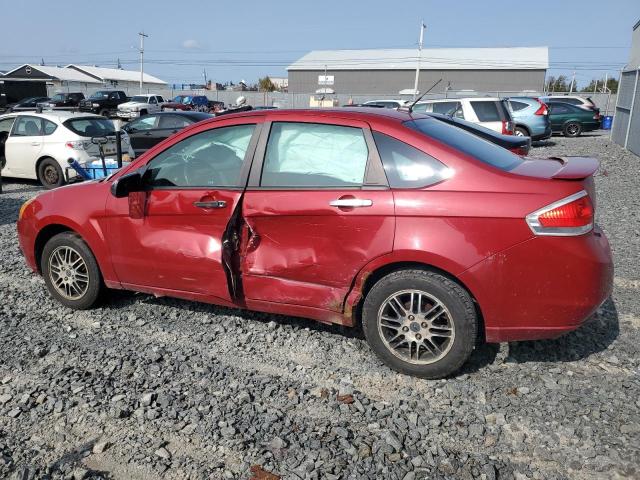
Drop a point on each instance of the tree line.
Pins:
(562, 83)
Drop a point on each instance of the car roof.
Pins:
(56, 115)
(456, 99)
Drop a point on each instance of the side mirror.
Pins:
(122, 187)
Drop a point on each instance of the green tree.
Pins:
(597, 84)
(266, 85)
(557, 84)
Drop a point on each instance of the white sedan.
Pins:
(38, 146)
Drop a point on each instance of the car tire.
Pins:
(439, 342)
(142, 112)
(572, 129)
(71, 272)
(104, 113)
(521, 132)
(50, 173)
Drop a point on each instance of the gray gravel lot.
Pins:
(147, 388)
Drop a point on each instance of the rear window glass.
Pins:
(489, 111)
(406, 166)
(90, 127)
(466, 142)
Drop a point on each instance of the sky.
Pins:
(245, 40)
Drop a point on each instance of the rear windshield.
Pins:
(489, 111)
(466, 142)
(90, 127)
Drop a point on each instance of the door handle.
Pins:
(148, 134)
(351, 202)
(35, 144)
(210, 204)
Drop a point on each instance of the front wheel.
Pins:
(50, 174)
(572, 129)
(70, 271)
(420, 323)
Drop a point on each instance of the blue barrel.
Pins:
(607, 120)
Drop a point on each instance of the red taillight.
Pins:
(543, 110)
(596, 116)
(507, 128)
(572, 215)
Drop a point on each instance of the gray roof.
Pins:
(116, 74)
(509, 58)
(59, 73)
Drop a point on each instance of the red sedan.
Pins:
(427, 235)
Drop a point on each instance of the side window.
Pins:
(172, 121)
(160, 99)
(208, 159)
(557, 108)
(49, 127)
(486, 111)
(421, 107)
(27, 127)
(314, 155)
(6, 124)
(406, 166)
(152, 100)
(516, 106)
(145, 123)
(446, 108)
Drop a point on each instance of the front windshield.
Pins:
(187, 99)
(140, 99)
(58, 97)
(90, 126)
(99, 95)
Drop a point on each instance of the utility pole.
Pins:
(415, 84)
(142, 37)
(204, 74)
(573, 80)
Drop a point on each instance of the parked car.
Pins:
(38, 145)
(519, 145)
(531, 117)
(26, 104)
(104, 102)
(583, 102)
(63, 101)
(146, 132)
(385, 103)
(492, 113)
(198, 103)
(380, 217)
(140, 105)
(572, 120)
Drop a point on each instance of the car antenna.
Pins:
(410, 109)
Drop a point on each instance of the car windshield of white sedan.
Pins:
(466, 142)
(90, 127)
(314, 155)
(140, 99)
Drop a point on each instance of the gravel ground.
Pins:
(147, 388)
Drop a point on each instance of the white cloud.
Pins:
(191, 44)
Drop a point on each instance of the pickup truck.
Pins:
(140, 105)
(104, 102)
(63, 101)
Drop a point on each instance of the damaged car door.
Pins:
(317, 209)
(191, 191)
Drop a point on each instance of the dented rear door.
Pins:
(317, 210)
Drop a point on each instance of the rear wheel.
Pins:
(104, 113)
(50, 173)
(521, 132)
(572, 129)
(420, 323)
(70, 271)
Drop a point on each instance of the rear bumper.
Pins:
(544, 135)
(542, 288)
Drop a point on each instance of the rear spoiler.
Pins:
(575, 168)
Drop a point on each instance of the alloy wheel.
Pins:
(51, 175)
(68, 273)
(416, 327)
